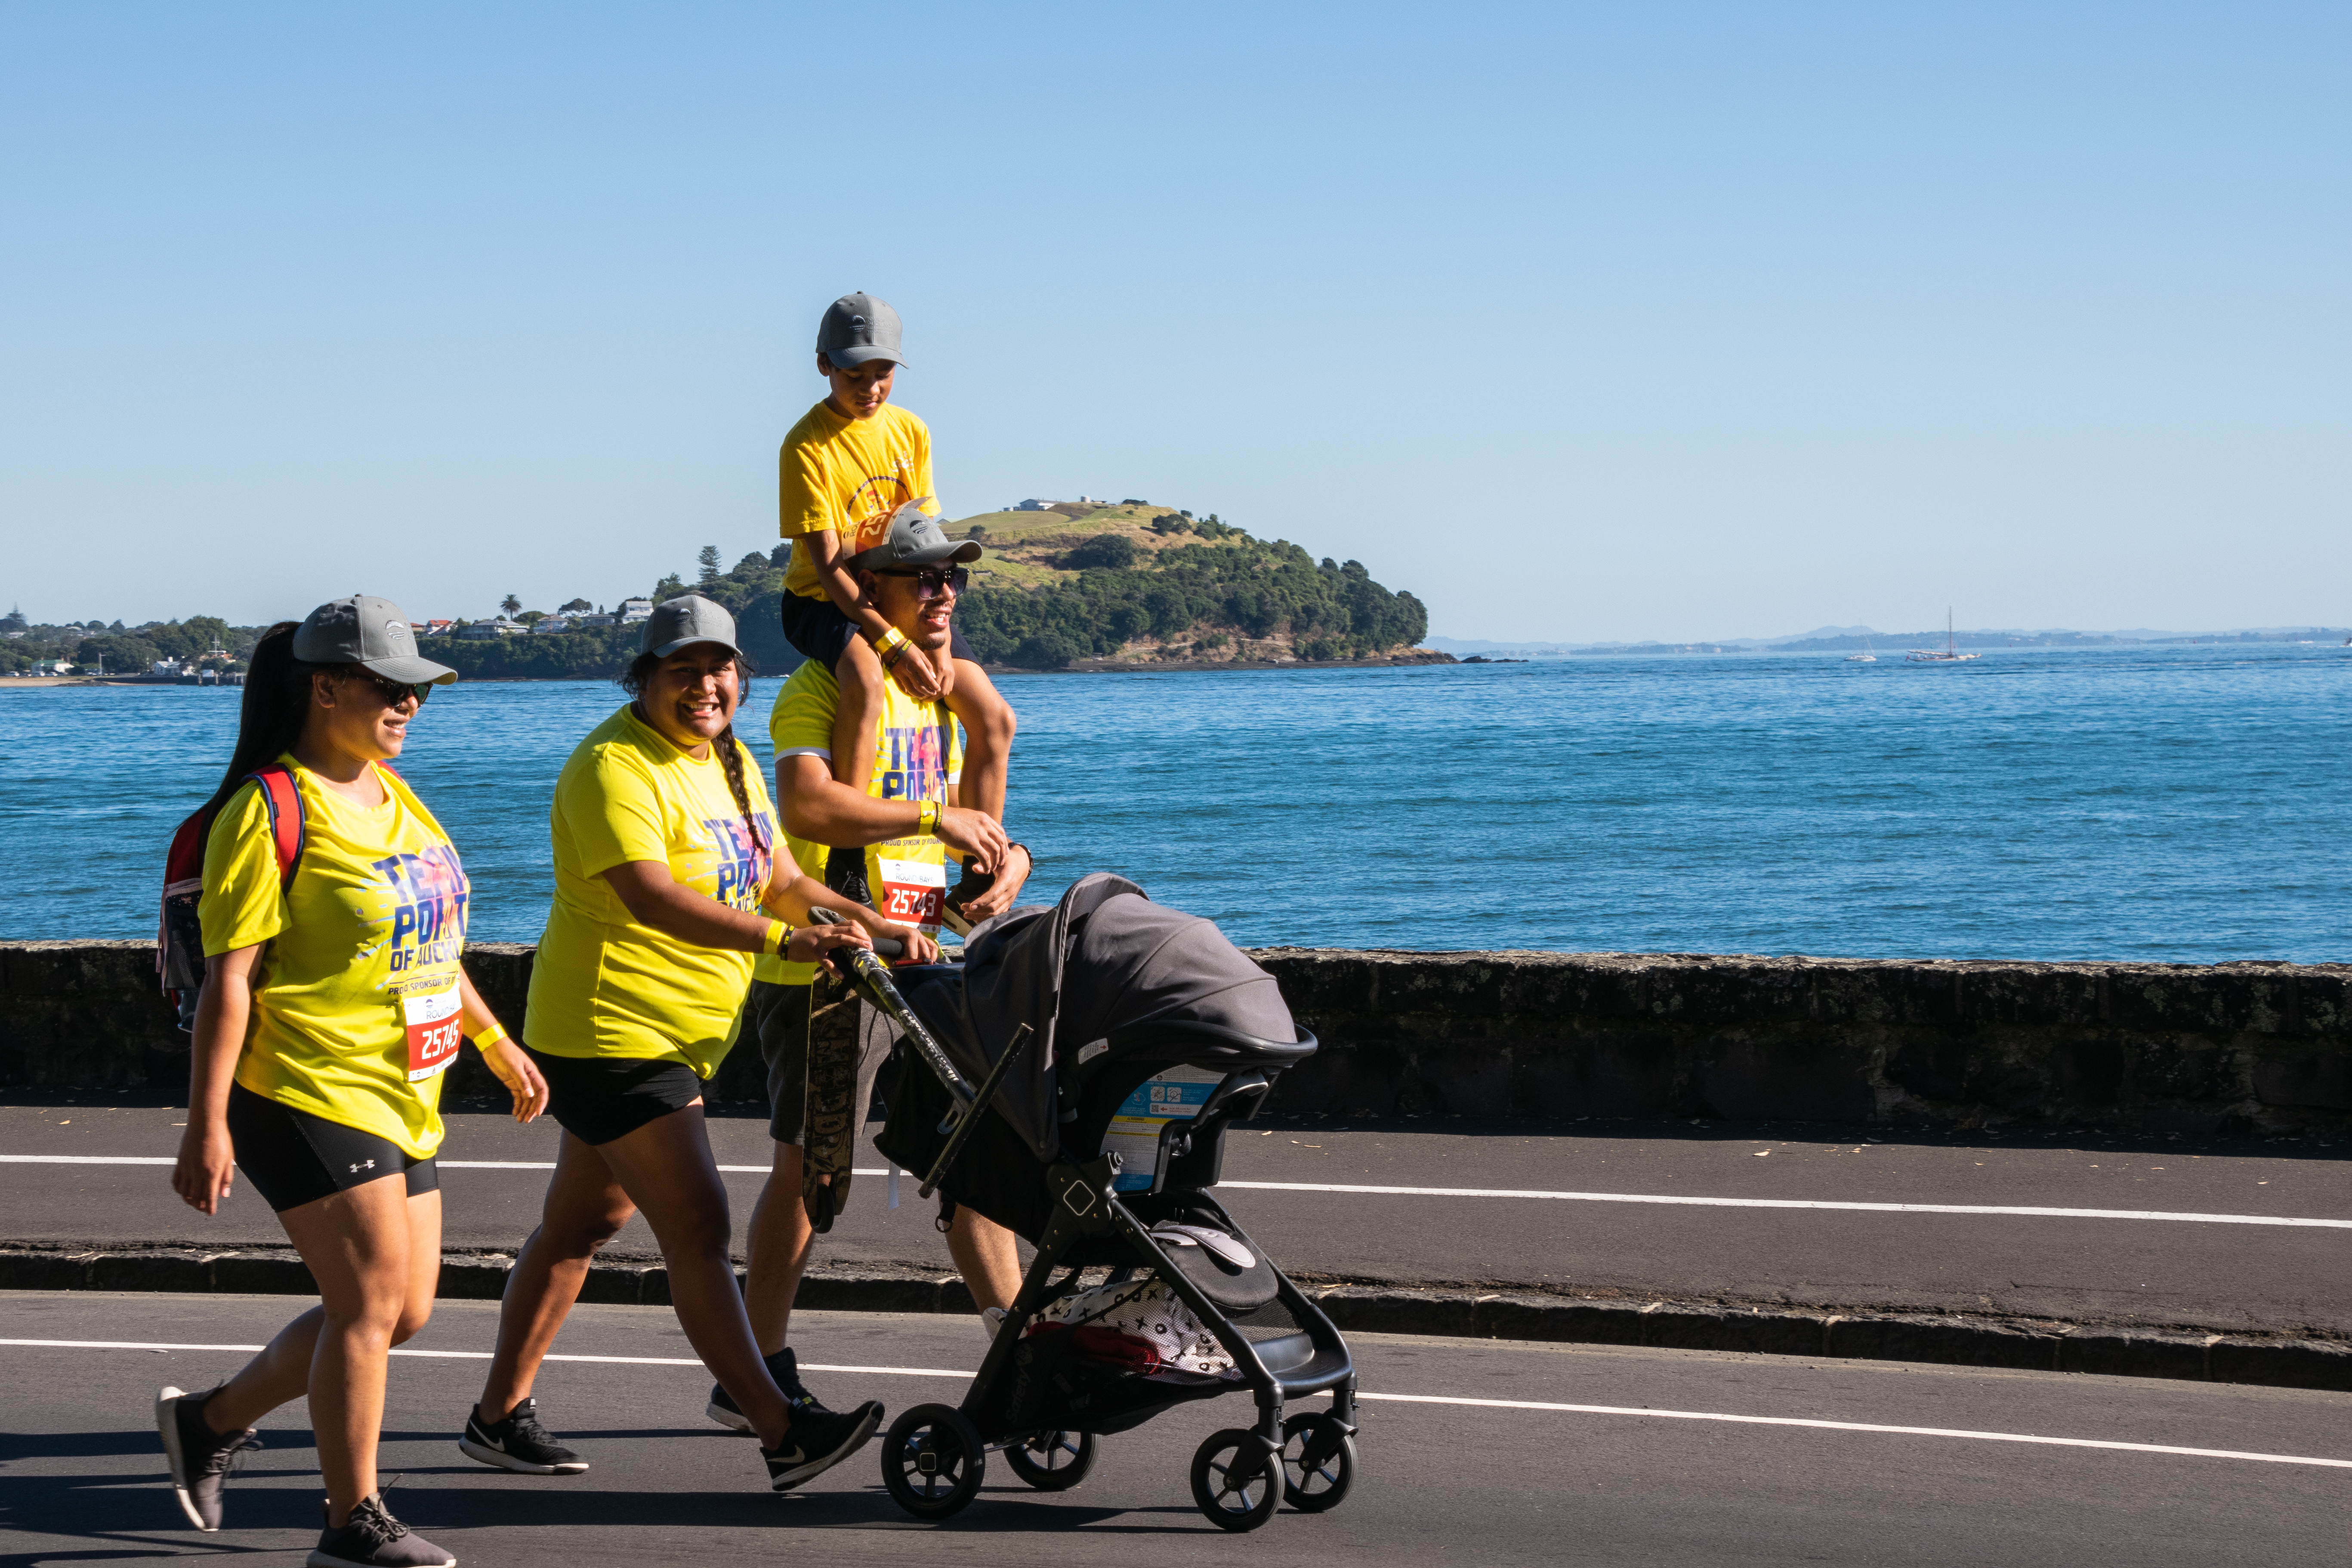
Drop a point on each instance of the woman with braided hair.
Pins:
(667, 890)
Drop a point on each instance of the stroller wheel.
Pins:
(1319, 1462)
(1052, 1461)
(1237, 1483)
(933, 1461)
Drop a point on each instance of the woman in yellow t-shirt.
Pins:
(668, 887)
(333, 1001)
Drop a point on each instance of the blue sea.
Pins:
(2184, 804)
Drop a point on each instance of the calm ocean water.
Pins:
(2179, 805)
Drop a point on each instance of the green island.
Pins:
(1070, 584)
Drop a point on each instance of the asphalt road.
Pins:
(1659, 1474)
(2197, 1274)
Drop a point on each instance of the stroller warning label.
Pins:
(1175, 1095)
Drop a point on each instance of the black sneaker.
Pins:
(845, 873)
(518, 1443)
(817, 1442)
(785, 1369)
(371, 1538)
(202, 1459)
(969, 886)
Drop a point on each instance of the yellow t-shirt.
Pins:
(602, 984)
(848, 474)
(918, 754)
(355, 1011)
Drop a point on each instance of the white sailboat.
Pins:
(1949, 654)
(1868, 654)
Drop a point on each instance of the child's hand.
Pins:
(916, 677)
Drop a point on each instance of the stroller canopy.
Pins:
(1104, 959)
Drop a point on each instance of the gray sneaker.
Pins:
(371, 1538)
(202, 1459)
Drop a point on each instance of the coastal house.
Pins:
(550, 626)
(52, 666)
(1031, 505)
(584, 622)
(488, 631)
(431, 628)
(635, 610)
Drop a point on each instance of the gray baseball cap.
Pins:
(685, 620)
(914, 539)
(371, 633)
(857, 328)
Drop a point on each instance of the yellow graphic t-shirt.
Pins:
(355, 1008)
(918, 754)
(602, 984)
(848, 474)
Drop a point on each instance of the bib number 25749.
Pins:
(436, 1027)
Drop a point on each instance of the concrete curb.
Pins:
(1953, 1341)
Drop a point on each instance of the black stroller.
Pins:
(1062, 1023)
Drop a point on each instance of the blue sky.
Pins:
(1582, 322)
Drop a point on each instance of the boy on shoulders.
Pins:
(850, 465)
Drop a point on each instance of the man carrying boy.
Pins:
(845, 470)
(901, 825)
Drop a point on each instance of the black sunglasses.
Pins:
(395, 693)
(930, 582)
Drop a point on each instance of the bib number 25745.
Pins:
(436, 1027)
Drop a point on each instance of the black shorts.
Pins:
(817, 629)
(780, 1016)
(293, 1158)
(598, 1098)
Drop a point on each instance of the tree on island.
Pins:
(575, 607)
(510, 605)
(707, 557)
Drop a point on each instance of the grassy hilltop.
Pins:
(1142, 583)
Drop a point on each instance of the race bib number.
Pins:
(912, 893)
(436, 1026)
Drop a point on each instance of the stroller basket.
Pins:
(1140, 1037)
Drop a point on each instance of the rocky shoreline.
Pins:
(1420, 656)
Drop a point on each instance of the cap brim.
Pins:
(413, 670)
(860, 353)
(962, 552)
(667, 648)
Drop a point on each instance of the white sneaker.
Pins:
(991, 1320)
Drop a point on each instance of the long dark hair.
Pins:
(276, 702)
(730, 752)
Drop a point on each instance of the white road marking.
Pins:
(2026, 1437)
(1864, 1426)
(1790, 1203)
(1995, 1209)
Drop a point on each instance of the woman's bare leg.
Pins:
(665, 1167)
(281, 1373)
(376, 1255)
(585, 1207)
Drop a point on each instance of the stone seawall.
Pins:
(2232, 1047)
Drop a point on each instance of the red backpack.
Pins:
(179, 932)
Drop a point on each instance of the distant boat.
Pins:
(1949, 654)
(1867, 656)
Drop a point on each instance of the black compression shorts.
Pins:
(293, 1158)
(598, 1098)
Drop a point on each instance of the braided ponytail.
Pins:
(730, 757)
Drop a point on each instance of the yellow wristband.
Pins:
(490, 1036)
(779, 933)
(927, 818)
